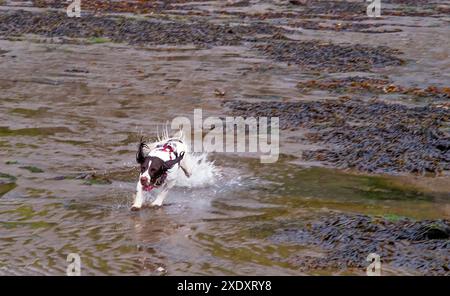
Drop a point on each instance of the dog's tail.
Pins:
(164, 134)
(179, 135)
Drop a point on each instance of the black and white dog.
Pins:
(160, 162)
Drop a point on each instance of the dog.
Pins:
(159, 163)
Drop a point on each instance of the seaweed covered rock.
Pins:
(371, 136)
(346, 239)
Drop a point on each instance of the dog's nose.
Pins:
(144, 180)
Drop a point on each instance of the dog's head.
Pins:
(154, 169)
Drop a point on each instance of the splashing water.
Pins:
(204, 172)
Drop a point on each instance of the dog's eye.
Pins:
(142, 169)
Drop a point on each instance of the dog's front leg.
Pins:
(139, 199)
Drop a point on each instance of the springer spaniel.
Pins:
(160, 162)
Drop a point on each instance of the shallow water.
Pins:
(70, 109)
(220, 229)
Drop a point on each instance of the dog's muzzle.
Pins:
(144, 181)
(146, 186)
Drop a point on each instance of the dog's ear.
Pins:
(170, 163)
(140, 156)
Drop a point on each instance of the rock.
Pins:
(345, 240)
(370, 136)
(298, 2)
(437, 230)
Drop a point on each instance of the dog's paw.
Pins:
(135, 208)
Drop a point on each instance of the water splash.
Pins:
(204, 172)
